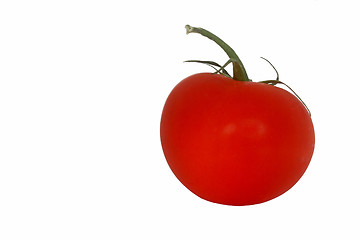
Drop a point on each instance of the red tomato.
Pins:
(235, 142)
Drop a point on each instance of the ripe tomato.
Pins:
(235, 142)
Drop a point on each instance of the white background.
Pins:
(82, 86)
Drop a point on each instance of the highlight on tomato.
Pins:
(233, 141)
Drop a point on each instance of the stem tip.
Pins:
(189, 29)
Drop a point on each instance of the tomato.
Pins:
(235, 142)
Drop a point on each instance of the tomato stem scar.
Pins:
(238, 68)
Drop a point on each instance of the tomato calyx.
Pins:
(239, 72)
(276, 81)
(213, 64)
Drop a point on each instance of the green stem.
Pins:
(238, 67)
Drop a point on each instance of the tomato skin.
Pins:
(235, 142)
